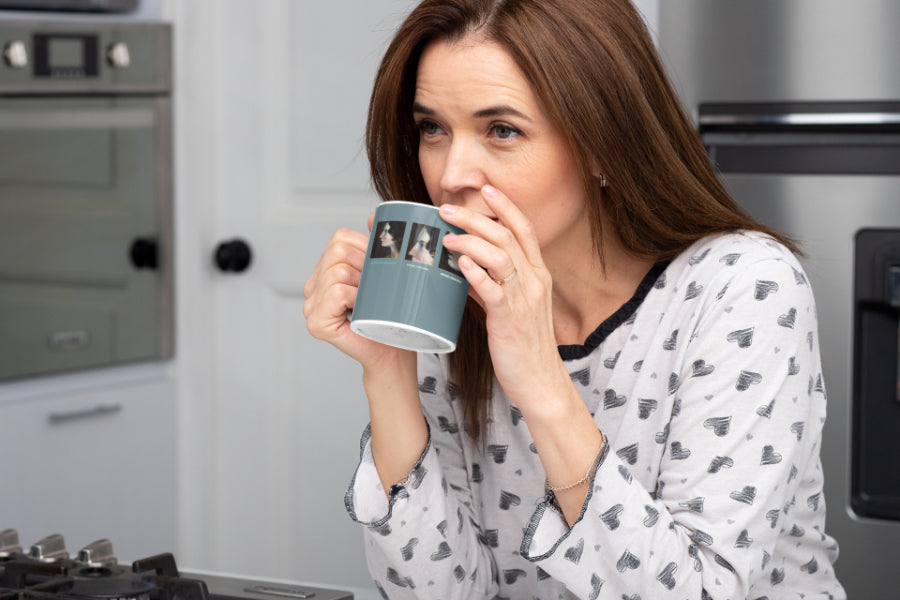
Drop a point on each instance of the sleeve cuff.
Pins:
(548, 527)
(365, 500)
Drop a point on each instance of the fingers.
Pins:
(331, 289)
(501, 246)
(513, 219)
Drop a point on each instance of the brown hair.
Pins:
(594, 69)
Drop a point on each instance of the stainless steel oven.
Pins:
(86, 270)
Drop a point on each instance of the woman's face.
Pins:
(386, 238)
(480, 123)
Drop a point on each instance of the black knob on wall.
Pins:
(233, 255)
(144, 253)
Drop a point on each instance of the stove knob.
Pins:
(15, 54)
(50, 549)
(118, 55)
(97, 554)
(9, 543)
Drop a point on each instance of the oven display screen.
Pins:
(63, 55)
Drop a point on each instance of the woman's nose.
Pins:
(463, 168)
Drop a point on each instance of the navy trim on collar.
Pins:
(574, 351)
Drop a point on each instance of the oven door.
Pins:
(85, 232)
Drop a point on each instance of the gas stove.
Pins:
(47, 572)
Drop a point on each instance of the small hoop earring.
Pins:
(603, 181)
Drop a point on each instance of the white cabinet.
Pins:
(98, 463)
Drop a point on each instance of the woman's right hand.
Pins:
(399, 433)
(330, 294)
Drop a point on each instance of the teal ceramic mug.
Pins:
(411, 293)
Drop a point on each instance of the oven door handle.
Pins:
(101, 410)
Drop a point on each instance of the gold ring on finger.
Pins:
(507, 279)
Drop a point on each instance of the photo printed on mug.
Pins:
(450, 261)
(422, 244)
(389, 237)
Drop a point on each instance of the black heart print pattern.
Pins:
(612, 400)
(694, 504)
(628, 454)
(490, 538)
(743, 337)
(702, 538)
(719, 425)
(574, 553)
(719, 463)
(428, 385)
(652, 516)
(498, 452)
(627, 561)
(788, 319)
(766, 411)
(764, 288)
(746, 495)
(582, 376)
(394, 577)
(407, 551)
(510, 576)
(746, 379)
(671, 341)
(610, 363)
(679, 452)
(508, 499)
(443, 551)
(695, 260)
(667, 576)
(596, 586)
(611, 516)
(645, 407)
(769, 456)
(694, 289)
(699, 368)
(743, 540)
(447, 426)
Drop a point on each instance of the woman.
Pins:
(635, 406)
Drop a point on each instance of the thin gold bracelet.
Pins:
(587, 476)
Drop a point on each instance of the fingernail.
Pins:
(490, 191)
(448, 209)
(449, 237)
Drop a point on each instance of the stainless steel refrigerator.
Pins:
(798, 104)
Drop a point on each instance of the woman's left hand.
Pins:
(507, 276)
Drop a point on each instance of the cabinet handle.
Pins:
(58, 418)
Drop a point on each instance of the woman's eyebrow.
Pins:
(491, 111)
(500, 111)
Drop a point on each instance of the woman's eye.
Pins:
(504, 131)
(429, 128)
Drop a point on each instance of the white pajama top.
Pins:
(708, 387)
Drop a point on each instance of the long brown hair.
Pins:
(594, 69)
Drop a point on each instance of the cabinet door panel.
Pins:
(99, 464)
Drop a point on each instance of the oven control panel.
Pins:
(58, 56)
